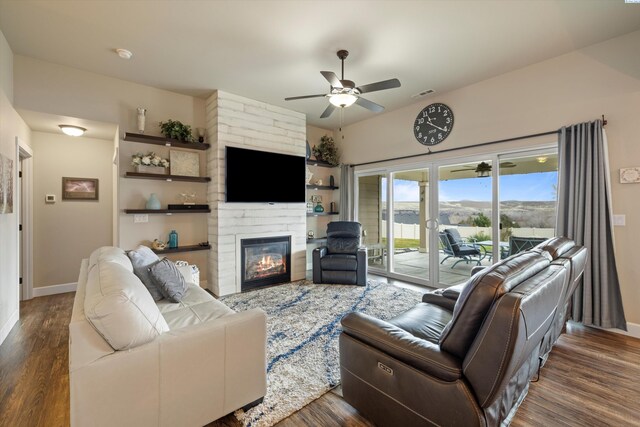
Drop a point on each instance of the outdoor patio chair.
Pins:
(519, 244)
(455, 246)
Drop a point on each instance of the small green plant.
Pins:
(327, 151)
(174, 129)
(481, 220)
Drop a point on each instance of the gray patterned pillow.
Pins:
(142, 258)
(167, 278)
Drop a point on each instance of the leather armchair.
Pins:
(343, 260)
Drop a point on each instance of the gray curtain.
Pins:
(584, 215)
(346, 193)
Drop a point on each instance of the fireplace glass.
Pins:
(265, 261)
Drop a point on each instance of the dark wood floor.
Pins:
(592, 378)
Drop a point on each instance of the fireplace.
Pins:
(265, 261)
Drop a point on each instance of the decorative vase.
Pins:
(309, 175)
(308, 155)
(318, 208)
(153, 202)
(142, 118)
(332, 181)
(173, 239)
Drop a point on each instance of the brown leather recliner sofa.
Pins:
(465, 356)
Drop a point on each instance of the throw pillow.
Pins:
(141, 259)
(168, 279)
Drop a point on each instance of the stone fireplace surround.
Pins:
(241, 122)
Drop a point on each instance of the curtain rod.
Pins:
(533, 135)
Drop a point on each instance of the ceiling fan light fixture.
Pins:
(483, 173)
(72, 130)
(343, 99)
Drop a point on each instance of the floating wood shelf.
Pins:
(167, 142)
(190, 248)
(322, 213)
(320, 163)
(168, 178)
(165, 211)
(317, 240)
(321, 187)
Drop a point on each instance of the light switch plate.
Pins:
(50, 198)
(620, 220)
(140, 218)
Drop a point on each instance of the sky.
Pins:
(522, 187)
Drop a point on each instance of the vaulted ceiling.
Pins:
(271, 49)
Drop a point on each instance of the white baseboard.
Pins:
(633, 330)
(4, 331)
(55, 289)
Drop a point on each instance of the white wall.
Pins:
(67, 231)
(55, 89)
(11, 126)
(573, 88)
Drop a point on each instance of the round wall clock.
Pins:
(433, 124)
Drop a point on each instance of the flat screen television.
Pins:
(254, 176)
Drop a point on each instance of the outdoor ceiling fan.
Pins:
(344, 93)
(483, 169)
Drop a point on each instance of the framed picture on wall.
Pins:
(79, 188)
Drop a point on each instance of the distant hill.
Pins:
(526, 214)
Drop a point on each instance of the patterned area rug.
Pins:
(303, 324)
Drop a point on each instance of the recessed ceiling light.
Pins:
(72, 130)
(124, 53)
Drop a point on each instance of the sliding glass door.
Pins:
(431, 223)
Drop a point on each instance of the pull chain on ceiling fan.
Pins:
(344, 93)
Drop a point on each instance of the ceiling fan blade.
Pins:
(369, 105)
(331, 77)
(327, 112)
(385, 84)
(462, 170)
(291, 98)
(508, 165)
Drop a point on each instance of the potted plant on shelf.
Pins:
(327, 151)
(150, 163)
(174, 129)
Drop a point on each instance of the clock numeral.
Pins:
(433, 140)
(426, 138)
(420, 135)
(448, 120)
(432, 109)
(439, 108)
(440, 136)
(446, 113)
(420, 121)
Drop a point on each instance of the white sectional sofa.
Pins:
(135, 362)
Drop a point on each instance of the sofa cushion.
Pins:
(142, 258)
(339, 262)
(197, 313)
(193, 295)
(479, 294)
(556, 246)
(112, 254)
(426, 321)
(167, 278)
(119, 307)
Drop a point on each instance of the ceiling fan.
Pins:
(483, 169)
(344, 93)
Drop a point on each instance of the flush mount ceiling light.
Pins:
(124, 53)
(72, 130)
(541, 159)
